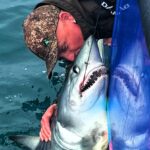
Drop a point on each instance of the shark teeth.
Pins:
(93, 78)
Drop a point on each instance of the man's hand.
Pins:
(45, 133)
(108, 41)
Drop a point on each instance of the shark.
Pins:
(80, 122)
(129, 87)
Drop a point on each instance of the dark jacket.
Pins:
(93, 16)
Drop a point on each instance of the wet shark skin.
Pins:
(82, 123)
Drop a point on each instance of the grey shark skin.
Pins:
(80, 123)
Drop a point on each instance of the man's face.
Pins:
(70, 39)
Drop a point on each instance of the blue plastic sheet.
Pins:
(129, 91)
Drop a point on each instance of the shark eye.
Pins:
(76, 69)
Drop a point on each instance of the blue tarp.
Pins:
(129, 90)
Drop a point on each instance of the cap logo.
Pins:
(46, 42)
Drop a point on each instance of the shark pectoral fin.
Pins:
(31, 142)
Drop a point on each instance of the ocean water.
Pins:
(25, 91)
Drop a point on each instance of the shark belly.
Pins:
(81, 130)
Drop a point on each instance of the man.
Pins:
(57, 29)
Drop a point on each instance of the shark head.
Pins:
(87, 79)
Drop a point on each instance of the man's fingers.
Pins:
(45, 132)
(41, 136)
(45, 129)
(44, 136)
(45, 124)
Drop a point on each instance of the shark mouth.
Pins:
(128, 79)
(92, 78)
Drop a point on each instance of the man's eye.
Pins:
(76, 69)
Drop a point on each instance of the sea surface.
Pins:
(25, 91)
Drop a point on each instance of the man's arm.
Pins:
(45, 132)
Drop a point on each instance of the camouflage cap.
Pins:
(40, 34)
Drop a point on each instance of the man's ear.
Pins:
(64, 16)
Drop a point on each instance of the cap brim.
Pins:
(51, 58)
